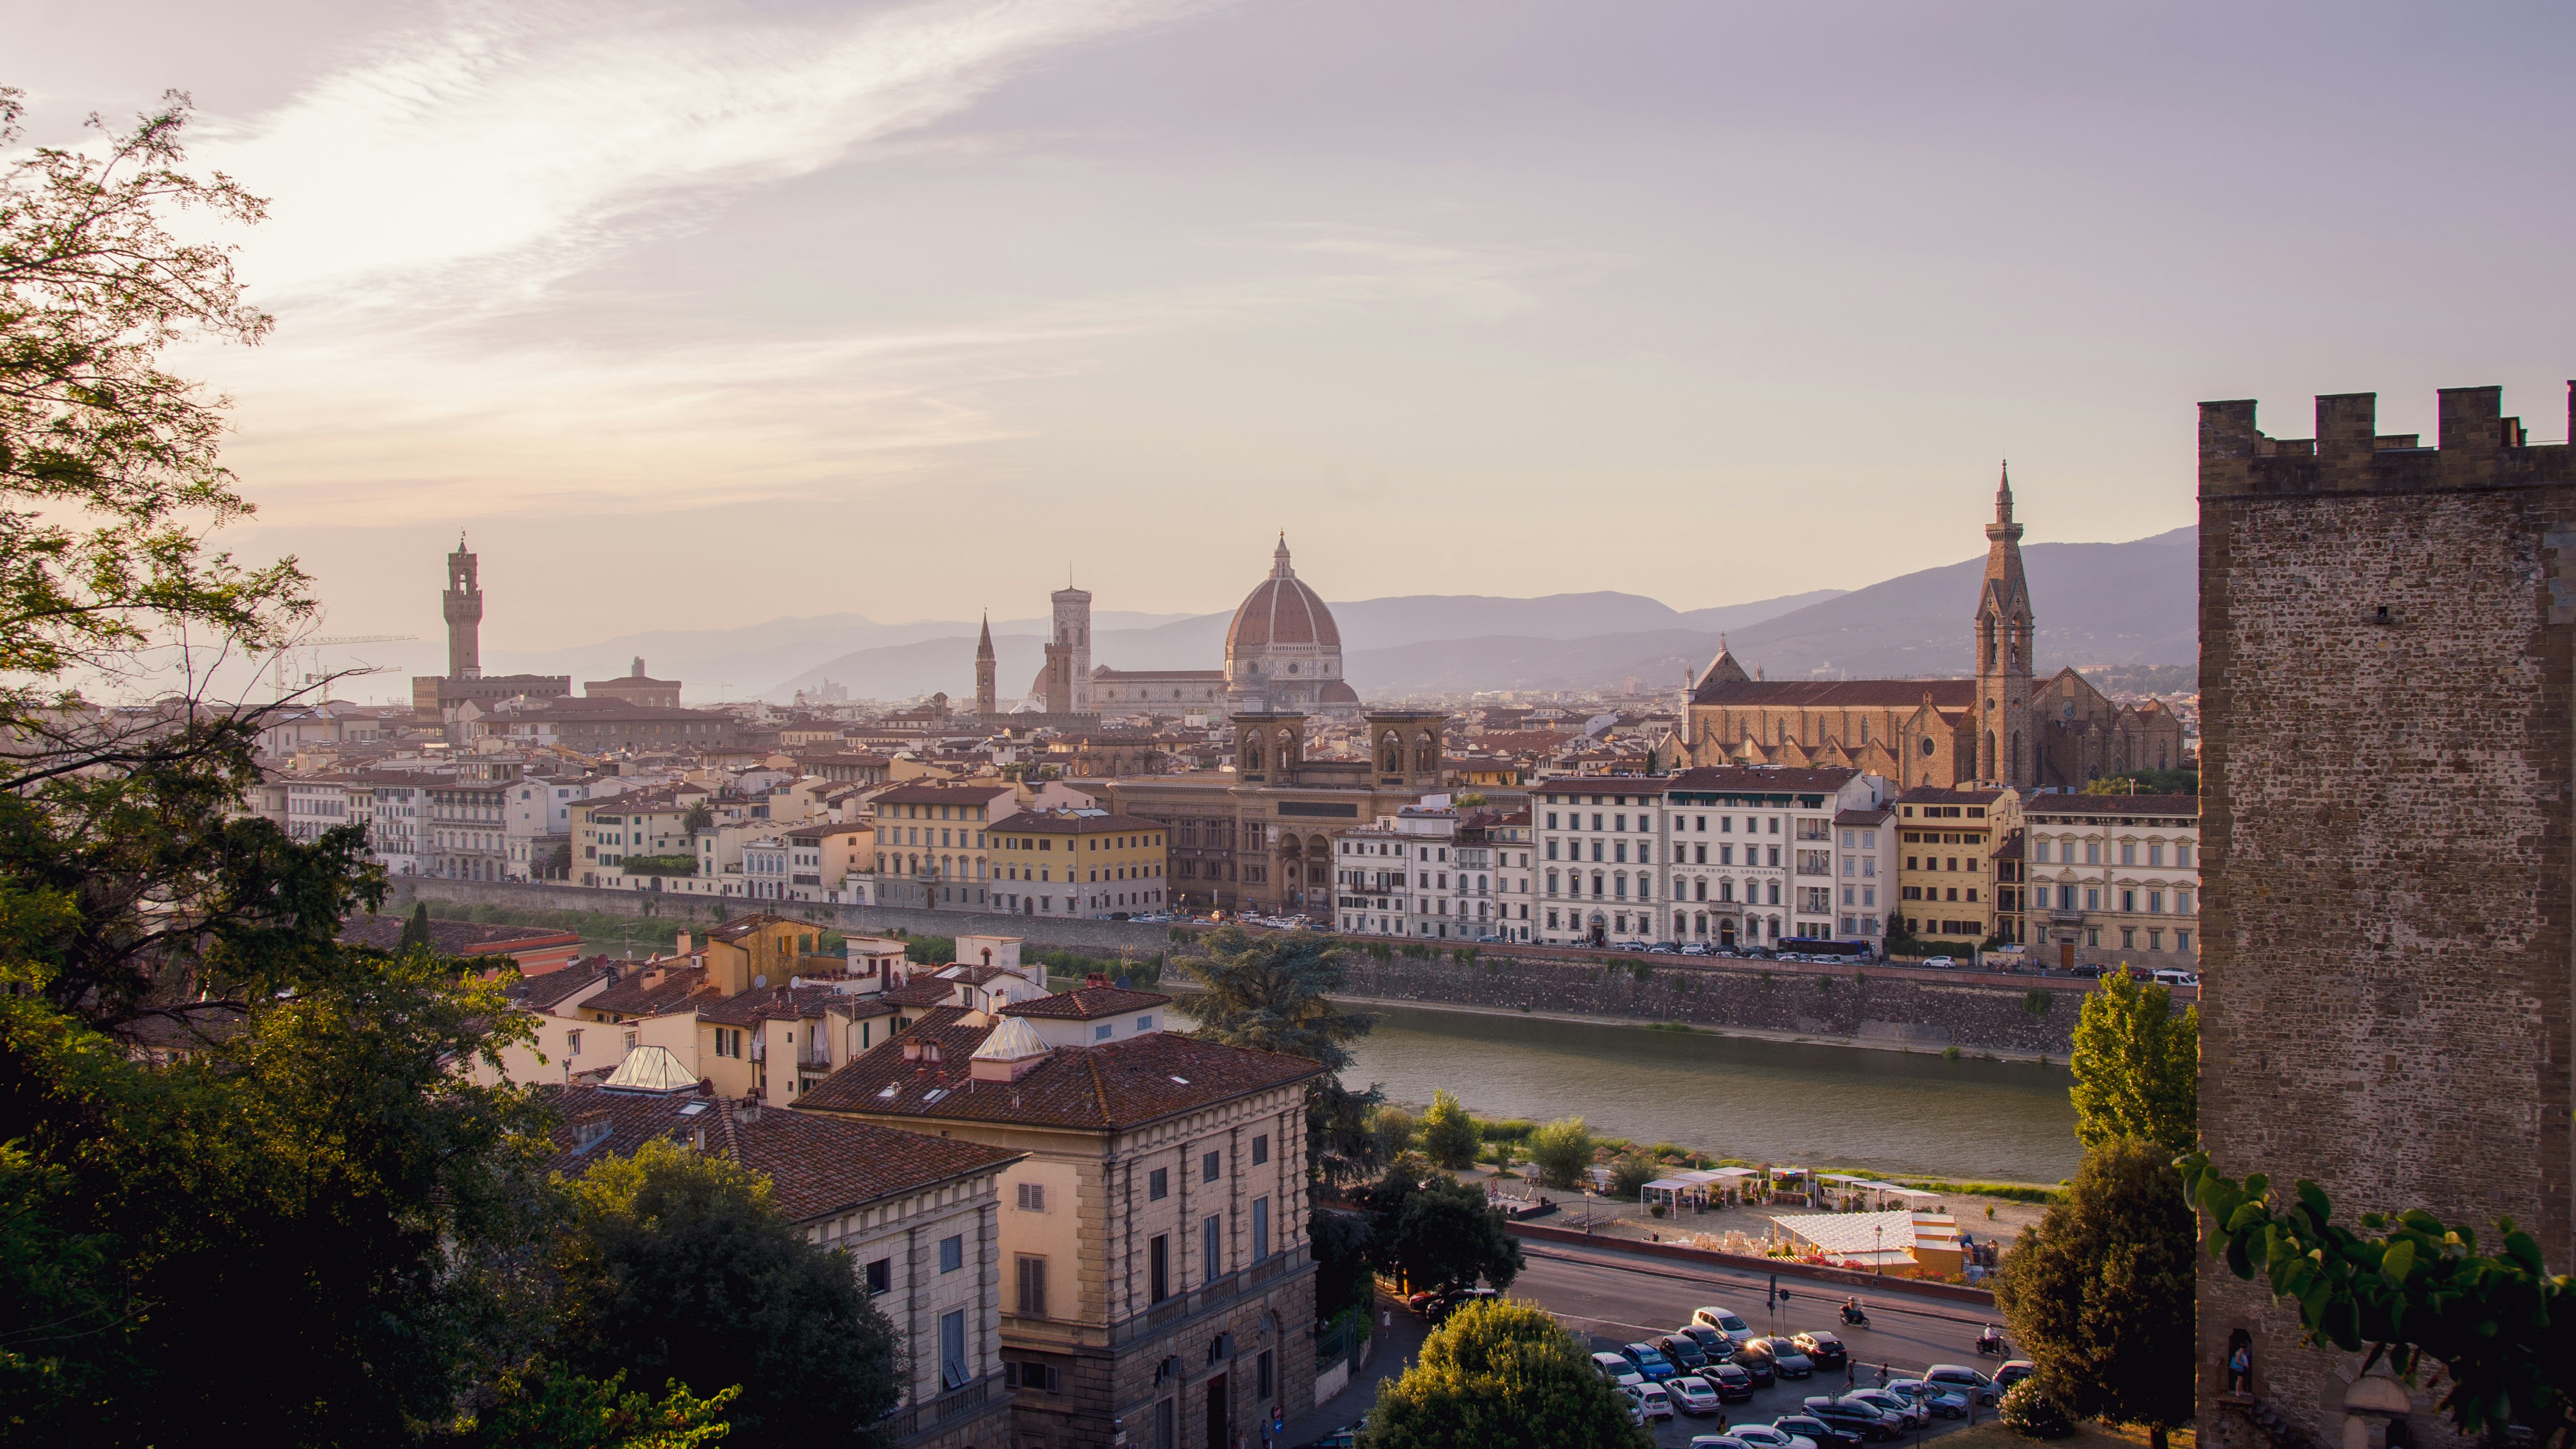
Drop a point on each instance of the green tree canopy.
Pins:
(1272, 992)
(2099, 1294)
(2501, 1325)
(415, 931)
(1436, 1230)
(538, 1405)
(1562, 1151)
(2136, 1066)
(1501, 1375)
(1449, 1136)
(677, 1267)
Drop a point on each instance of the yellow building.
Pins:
(1947, 841)
(606, 831)
(1074, 863)
(936, 835)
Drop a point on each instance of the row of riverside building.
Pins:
(1085, 1228)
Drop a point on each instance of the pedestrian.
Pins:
(1851, 1371)
(2240, 1371)
(1882, 1376)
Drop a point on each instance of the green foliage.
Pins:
(1506, 1129)
(1630, 1172)
(2009, 1191)
(2099, 1294)
(1396, 1131)
(659, 865)
(1950, 1053)
(1437, 1230)
(1271, 992)
(1662, 1150)
(415, 931)
(930, 950)
(2136, 1066)
(677, 1267)
(2027, 1410)
(699, 817)
(541, 1406)
(2147, 782)
(2039, 1001)
(1500, 1375)
(1343, 1279)
(2500, 1325)
(1342, 1142)
(1449, 1135)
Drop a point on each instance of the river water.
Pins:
(1743, 1097)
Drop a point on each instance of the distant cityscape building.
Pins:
(435, 696)
(636, 688)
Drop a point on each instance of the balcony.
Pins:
(921, 1420)
(1180, 1308)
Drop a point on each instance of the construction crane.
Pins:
(313, 675)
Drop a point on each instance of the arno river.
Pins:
(1763, 1101)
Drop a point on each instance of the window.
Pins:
(952, 1254)
(572, 1042)
(1044, 1376)
(1158, 1184)
(1261, 1149)
(879, 1276)
(953, 1372)
(1211, 1248)
(1261, 1376)
(1260, 1229)
(1033, 1197)
(2182, 940)
(1158, 1268)
(1210, 1165)
(1144, 1023)
(2182, 853)
(1102, 1031)
(1032, 1286)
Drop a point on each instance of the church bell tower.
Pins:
(2005, 748)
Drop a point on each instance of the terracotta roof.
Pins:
(1863, 817)
(1088, 1003)
(948, 794)
(858, 1006)
(453, 938)
(767, 1003)
(927, 991)
(1281, 610)
(743, 926)
(817, 1166)
(1837, 693)
(1941, 795)
(1748, 779)
(2112, 805)
(1114, 1086)
(822, 832)
(635, 997)
(1121, 675)
(1074, 824)
(538, 993)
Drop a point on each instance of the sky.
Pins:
(692, 316)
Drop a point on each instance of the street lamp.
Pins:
(1587, 1209)
(1879, 1258)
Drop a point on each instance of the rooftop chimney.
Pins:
(749, 1111)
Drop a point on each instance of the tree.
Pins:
(677, 1266)
(1562, 1151)
(1273, 993)
(700, 817)
(2136, 1067)
(1342, 1143)
(540, 1406)
(1500, 1375)
(415, 932)
(2501, 1326)
(1449, 1136)
(1435, 1230)
(1340, 1242)
(2099, 1294)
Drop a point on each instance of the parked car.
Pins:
(1963, 1380)
(1939, 963)
(1652, 1400)
(2013, 1372)
(1341, 1438)
(1695, 949)
(1858, 1418)
(1687, 1356)
(1650, 1361)
(1628, 946)
(1455, 1299)
(1724, 1322)
(1770, 1436)
(1942, 1402)
(1817, 1431)
(1617, 1370)
(1734, 1385)
(1717, 1441)
(1696, 1396)
(2168, 976)
(1712, 1342)
(1754, 1356)
(1908, 1412)
(1824, 1349)
(1786, 1360)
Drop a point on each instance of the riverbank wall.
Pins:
(1881, 1006)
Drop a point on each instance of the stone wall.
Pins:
(2385, 773)
(1875, 1007)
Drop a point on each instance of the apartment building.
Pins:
(1950, 842)
(1159, 1289)
(917, 1216)
(933, 837)
(397, 819)
(2113, 878)
(1394, 877)
(1085, 863)
(1494, 861)
(464, 836)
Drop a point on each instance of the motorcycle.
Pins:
(1856, 1317)
(1991, 1342)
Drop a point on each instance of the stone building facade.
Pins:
(2388, 657)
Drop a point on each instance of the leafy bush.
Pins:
(930, 950)
(1561, 1151)
(1507, 1129)
(1395, 1131)
(2032, 1414)
(1630, 1173)
(1449, 1136)
(2039, 1001)
(659, 865)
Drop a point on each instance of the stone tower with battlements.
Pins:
(2004, 633)
(463, 605)
(1068, 653)
(2388, 806)
(987, 696)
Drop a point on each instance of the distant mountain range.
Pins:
(2132, 603)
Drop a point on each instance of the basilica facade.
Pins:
(2000, 727)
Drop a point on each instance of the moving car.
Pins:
(1724, 1322)
(1683, 1350)
(1963, 1380)
(1649, 1361)
(1946, 1403)
(1909, 1412)
(1734, 1385)
(1817, 1431)
(1617, 1370)
(1855, 1417)
(1786, 1359)
(1695, 1396)
(1824, 1349)
(1769, 1436)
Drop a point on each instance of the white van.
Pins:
(2170, 976)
